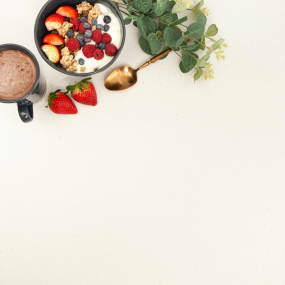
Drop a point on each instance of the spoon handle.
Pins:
(155, 59)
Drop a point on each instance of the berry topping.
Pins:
(98, 54)
(73, 44)
(70, 33)
(106, 28)
(81, 61)
(75, 23)
(52, 52)
(99, 27)
(106, 38)
(102, 45)
(87, 40)
(94, 22)
(83, 19)
(54, 22)
(67, 11)
(88, 50)
(111, 50)
(88, 34)
(53, 39)
(107, 19)
(97, 36)
(87, 26)
(66, 19)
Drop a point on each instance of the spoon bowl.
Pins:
(121, 78)
(125, 76)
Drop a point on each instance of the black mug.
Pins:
(37, 92)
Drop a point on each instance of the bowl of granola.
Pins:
(80, 38)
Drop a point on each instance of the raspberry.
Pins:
(75, 23)
(98, 54)
(97, 36)
(111, 50)
(88, 50)
(106, 38)
(81, 28)
(73, 44)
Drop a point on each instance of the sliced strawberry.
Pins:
(67, 11)
(52, 52)
(54, 22)
(53, 39)
(84, 92)
(60, 103)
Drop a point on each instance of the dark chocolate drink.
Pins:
(18, 74)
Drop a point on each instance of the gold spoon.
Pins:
(124, 76)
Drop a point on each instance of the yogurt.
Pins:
(115, 31)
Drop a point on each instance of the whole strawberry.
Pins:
(83, 92)
(60, 103)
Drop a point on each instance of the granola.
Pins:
(62, 30)
(66, 61)
(73, 66)
(94, 13)
(84, 8)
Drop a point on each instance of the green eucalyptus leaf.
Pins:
(167, 19)
(179, 21)
(144, 45)
(202, 19)
(155, 43)
(193, 47)
(179, 7)
(171, 36)
(146, 25)
(143, 5)
(128, 20)
(197, 8)
(198, 73)
(189, 61)
(212, 31)
(196, 31)
(160, 7)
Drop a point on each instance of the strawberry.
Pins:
(84, 92)
(60, 103)
(52, 52)
(53, 39)
(54, 22)
(67, 11)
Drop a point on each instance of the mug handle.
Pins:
(25, 109)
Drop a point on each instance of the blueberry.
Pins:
(87, 40)
(107, 19)
(80, 37)
(106, 28)
(70, 33)
(99, 27)
(81, 61)
(86, 26)
(97, 45)
(88, 33)
(94, 22)
(102, 46)
(66, 19)
(83, 19)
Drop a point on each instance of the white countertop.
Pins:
(168, 183)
